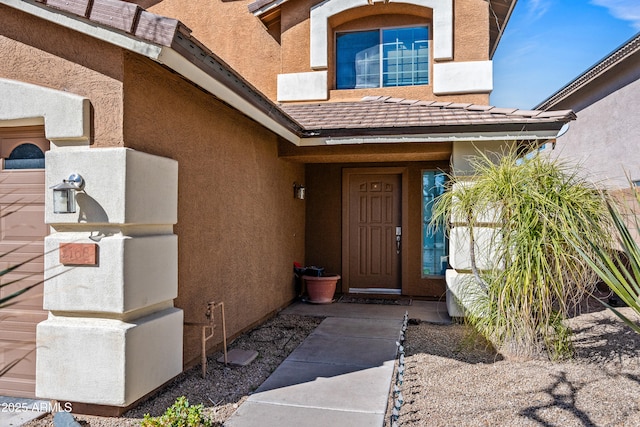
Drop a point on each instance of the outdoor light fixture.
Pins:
(298, 191)
(64, 194)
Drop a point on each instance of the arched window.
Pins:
(25, 156)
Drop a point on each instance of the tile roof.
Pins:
(385, 113)
(124, 16)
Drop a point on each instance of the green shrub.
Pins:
(538, 277)
(180, 414)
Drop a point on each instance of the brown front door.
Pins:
(22, 230)
(374, 219)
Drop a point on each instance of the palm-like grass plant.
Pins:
(538, 276)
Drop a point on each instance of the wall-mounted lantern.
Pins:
(64, 194)
(298, 191)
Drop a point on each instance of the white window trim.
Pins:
(462, 77)
(310, 86)
(442, 33)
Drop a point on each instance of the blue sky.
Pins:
(548, 43)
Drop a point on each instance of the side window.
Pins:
(25, 156)
(382, 58)
(434, 242)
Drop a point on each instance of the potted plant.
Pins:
(321, 288)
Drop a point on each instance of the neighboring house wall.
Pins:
(239, 228)
(605, 138)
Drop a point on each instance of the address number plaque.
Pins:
(78, 253)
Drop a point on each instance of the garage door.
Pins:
(22, 232)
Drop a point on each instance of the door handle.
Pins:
(398, 239)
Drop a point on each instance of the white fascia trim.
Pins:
(395, 139)
(186, 68)
(163, 55)
(442, 27)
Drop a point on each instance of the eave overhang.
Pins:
(416, 134)
(499, 14)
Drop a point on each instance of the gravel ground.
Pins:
(224, 388)
(451, 379)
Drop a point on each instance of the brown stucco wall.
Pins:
(324, 222)
(233, 33)
(37, 52)
(239, 228)
(471, 30)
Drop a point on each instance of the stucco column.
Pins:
(462, 286)
(111, 275)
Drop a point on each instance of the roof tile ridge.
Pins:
(526, 113)
(466, 106)
(371, 98)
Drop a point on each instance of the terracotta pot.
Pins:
(321, 289)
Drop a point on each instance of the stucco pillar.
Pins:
(111, 275)
(462, 287)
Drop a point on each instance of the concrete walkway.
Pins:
(341, 374)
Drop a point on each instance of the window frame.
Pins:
(381, 58)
